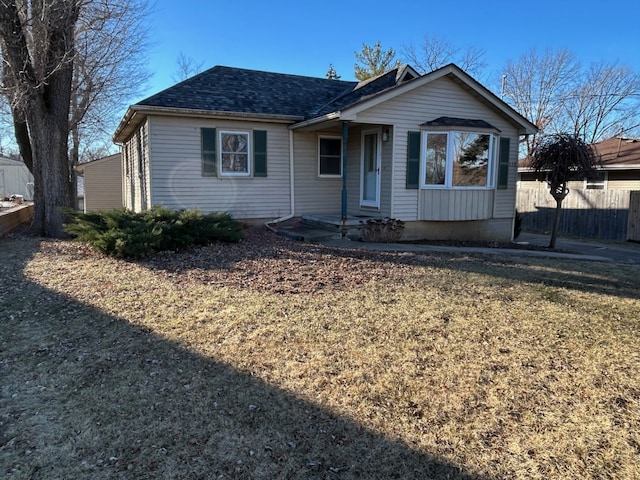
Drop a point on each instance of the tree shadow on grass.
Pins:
(88, 395)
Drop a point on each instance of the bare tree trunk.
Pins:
(556, 223)
(38, 53)
(53, 188)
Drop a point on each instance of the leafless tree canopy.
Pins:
(537, 84)
(556, 93)
(604, 103)
(109, 70)
(186, 67)
(436, 52)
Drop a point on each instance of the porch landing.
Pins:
(319, 227)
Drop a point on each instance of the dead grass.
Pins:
(273, 359)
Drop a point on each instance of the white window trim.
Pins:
(249, 156)
(331, 137)
(491, 167)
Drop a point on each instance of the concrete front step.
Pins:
(297, 230)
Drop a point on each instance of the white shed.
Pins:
(15, 179)
(102, 183)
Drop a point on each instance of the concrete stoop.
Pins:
(318, 228)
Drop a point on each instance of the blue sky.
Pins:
(304, 37)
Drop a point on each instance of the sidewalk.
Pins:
(573, 249)
(625, 252)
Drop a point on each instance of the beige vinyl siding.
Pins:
(456, 205)
(314, 194)
(177, 179)
(103, 184)
(407, 112)
(135, 173)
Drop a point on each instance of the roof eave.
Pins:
(136, 114)
(317, 120)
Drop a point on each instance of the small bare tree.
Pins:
(558, 158)
(373, 61)
(186, 67)
(436, 52)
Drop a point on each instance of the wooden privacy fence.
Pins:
(602, 214)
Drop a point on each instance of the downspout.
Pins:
(291, 189)
(345, 138)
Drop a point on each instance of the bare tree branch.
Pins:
(436, 52)
(604, 103)
(186, 67)
(536, 86)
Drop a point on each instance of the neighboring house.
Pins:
(15, 179)
(619, 168)
(102, 183)
(438, 151)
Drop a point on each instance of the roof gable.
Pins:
(457, 75)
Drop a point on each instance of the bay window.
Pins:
(458, 159)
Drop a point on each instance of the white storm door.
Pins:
(370, 170)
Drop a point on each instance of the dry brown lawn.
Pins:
(271, 359)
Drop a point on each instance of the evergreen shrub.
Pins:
(126, 234)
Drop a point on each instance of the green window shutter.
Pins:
(503, 163)
(259, 153)
(413, 160)
(209, 159)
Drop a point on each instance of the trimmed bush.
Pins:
(125, 234)
(382, 230)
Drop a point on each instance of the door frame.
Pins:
(378, 132)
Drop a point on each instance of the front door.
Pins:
(370, 169)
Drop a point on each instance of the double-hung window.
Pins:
(234, 154)
(330, 157)
(458, 159)
(229, 153)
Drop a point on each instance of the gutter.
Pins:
(313, 121)
(270, 224)
(128, 121)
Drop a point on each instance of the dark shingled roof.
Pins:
(457, 122)
(236, 90)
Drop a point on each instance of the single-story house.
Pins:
(619, 168)
(437, 151)
(15, 179)
(102, 183)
